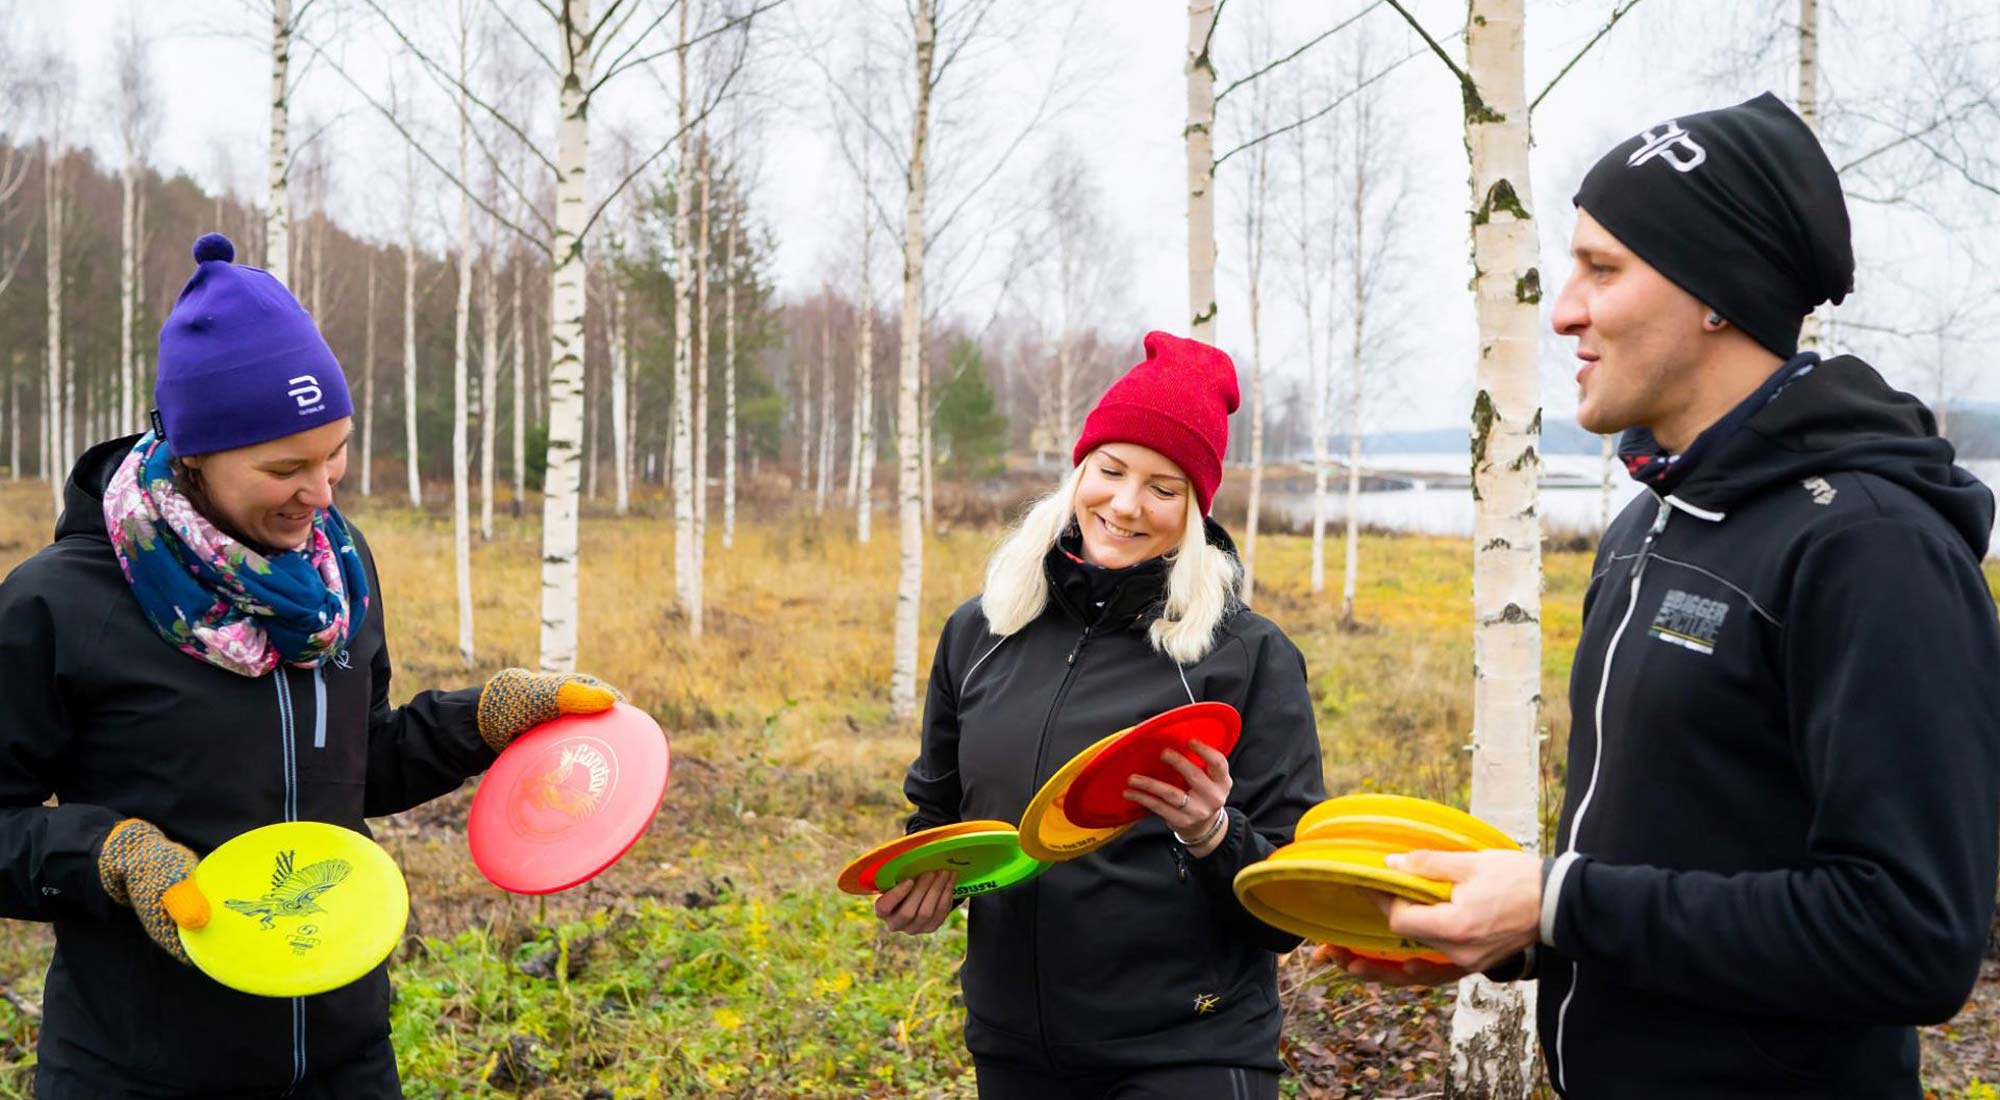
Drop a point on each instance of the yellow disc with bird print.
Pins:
(297, 908)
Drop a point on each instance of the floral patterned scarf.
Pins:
(214, 598)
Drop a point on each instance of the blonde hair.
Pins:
(1202, 579)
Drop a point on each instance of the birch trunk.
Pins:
(701, 357)
(1604, 484)
(52, 225)
(864, 386)
(1492, 1029)
(489, 389)
(729, 381)
(909, 489)
(142, 383)
(621, 443)
(1358, 269)
(687, 581)
(1254, 234)
(1809, 332)
(368, 386)
(277, 211)
(519, 421)
(1200, 140)
(566, 349)
(461, 526)
(1315, 377)
(128, 261)
(807, 444)
(410, 330)
(825, 408)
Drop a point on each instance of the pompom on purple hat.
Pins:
(241, 362)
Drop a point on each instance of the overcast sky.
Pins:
(1125, 117)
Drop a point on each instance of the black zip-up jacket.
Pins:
(106, 716)
(1784, 781)
(1137, 954)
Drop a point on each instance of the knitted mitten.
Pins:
(141, 868)
(516, 701)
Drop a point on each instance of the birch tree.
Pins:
(410, 329)
(138, 114)
(56, 430)
(1492, 1029)
(277, 205)
(687, 562)
(729, 371)
(460, 488)
(1808, 107)
(1199, 137)
(590, 52)
(1255, 217)
(368, 383)
(909, 489)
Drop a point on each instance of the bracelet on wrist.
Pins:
(1214, 827)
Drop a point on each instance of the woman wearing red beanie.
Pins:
(1131, 971)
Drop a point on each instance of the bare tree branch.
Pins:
(1338, 100)
(1214, 21)
(533, 48)
(1464, 81)
(1617, 13)
(1329, 33)
(457, 85)
(745, 18)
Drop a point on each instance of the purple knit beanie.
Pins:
(241, 362)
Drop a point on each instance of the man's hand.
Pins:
(1494, 911)
(1380, 972)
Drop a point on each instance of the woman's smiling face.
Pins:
(1131, 505)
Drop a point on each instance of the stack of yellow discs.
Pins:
(1319, 885)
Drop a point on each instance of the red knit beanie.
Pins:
(1178, 403)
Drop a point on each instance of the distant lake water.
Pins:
(1428, 493)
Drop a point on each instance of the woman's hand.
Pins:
(516, 700)
(1384, 972)
(1195, 814)
(916, 906)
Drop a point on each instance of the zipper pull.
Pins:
(1078, 648)
(1180, 864)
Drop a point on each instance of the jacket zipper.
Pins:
(1597, 758)
(1035, 913)
(288, 731)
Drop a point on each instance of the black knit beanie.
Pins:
(1739, 207)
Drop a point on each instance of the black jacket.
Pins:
(1784, 774)
(1136, 954)
(106, 716)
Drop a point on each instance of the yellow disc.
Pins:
(1403, 834)
(1323, 894)
(1420, 811)
(296, 909)
(1047, 834)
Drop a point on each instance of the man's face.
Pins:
(1637, 334)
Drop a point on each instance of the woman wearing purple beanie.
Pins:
(201, 652)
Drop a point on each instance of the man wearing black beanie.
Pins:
(1777, 849)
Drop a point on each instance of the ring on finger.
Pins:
(1185, 795)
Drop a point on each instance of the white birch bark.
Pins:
(566, 349)
(1200, 141)
(621, 443)
(53, 187)
(701, 358)
(909, 488)
(825, 407)
(1809, 332)
(410, 329)
(864, 386)
(808, 445)
(277, 210)
(1604, 486)
(687, 581)
(519, 421)
(1315, 374)
(461, 526)
(368, 385)
(142, 378)
(1358, 269)
(489, 388)
(1254, 219)
(128, 260)
(1492, 1030)
(729, 377)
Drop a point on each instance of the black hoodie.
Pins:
(1784, 781)
(106, 716)
(1136, 954)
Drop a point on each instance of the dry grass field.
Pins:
(717, 959)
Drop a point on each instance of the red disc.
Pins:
(1097, 798)
(567, 799)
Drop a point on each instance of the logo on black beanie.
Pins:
(1662, 145)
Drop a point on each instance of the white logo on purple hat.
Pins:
(305, 390)
(1662, 145)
